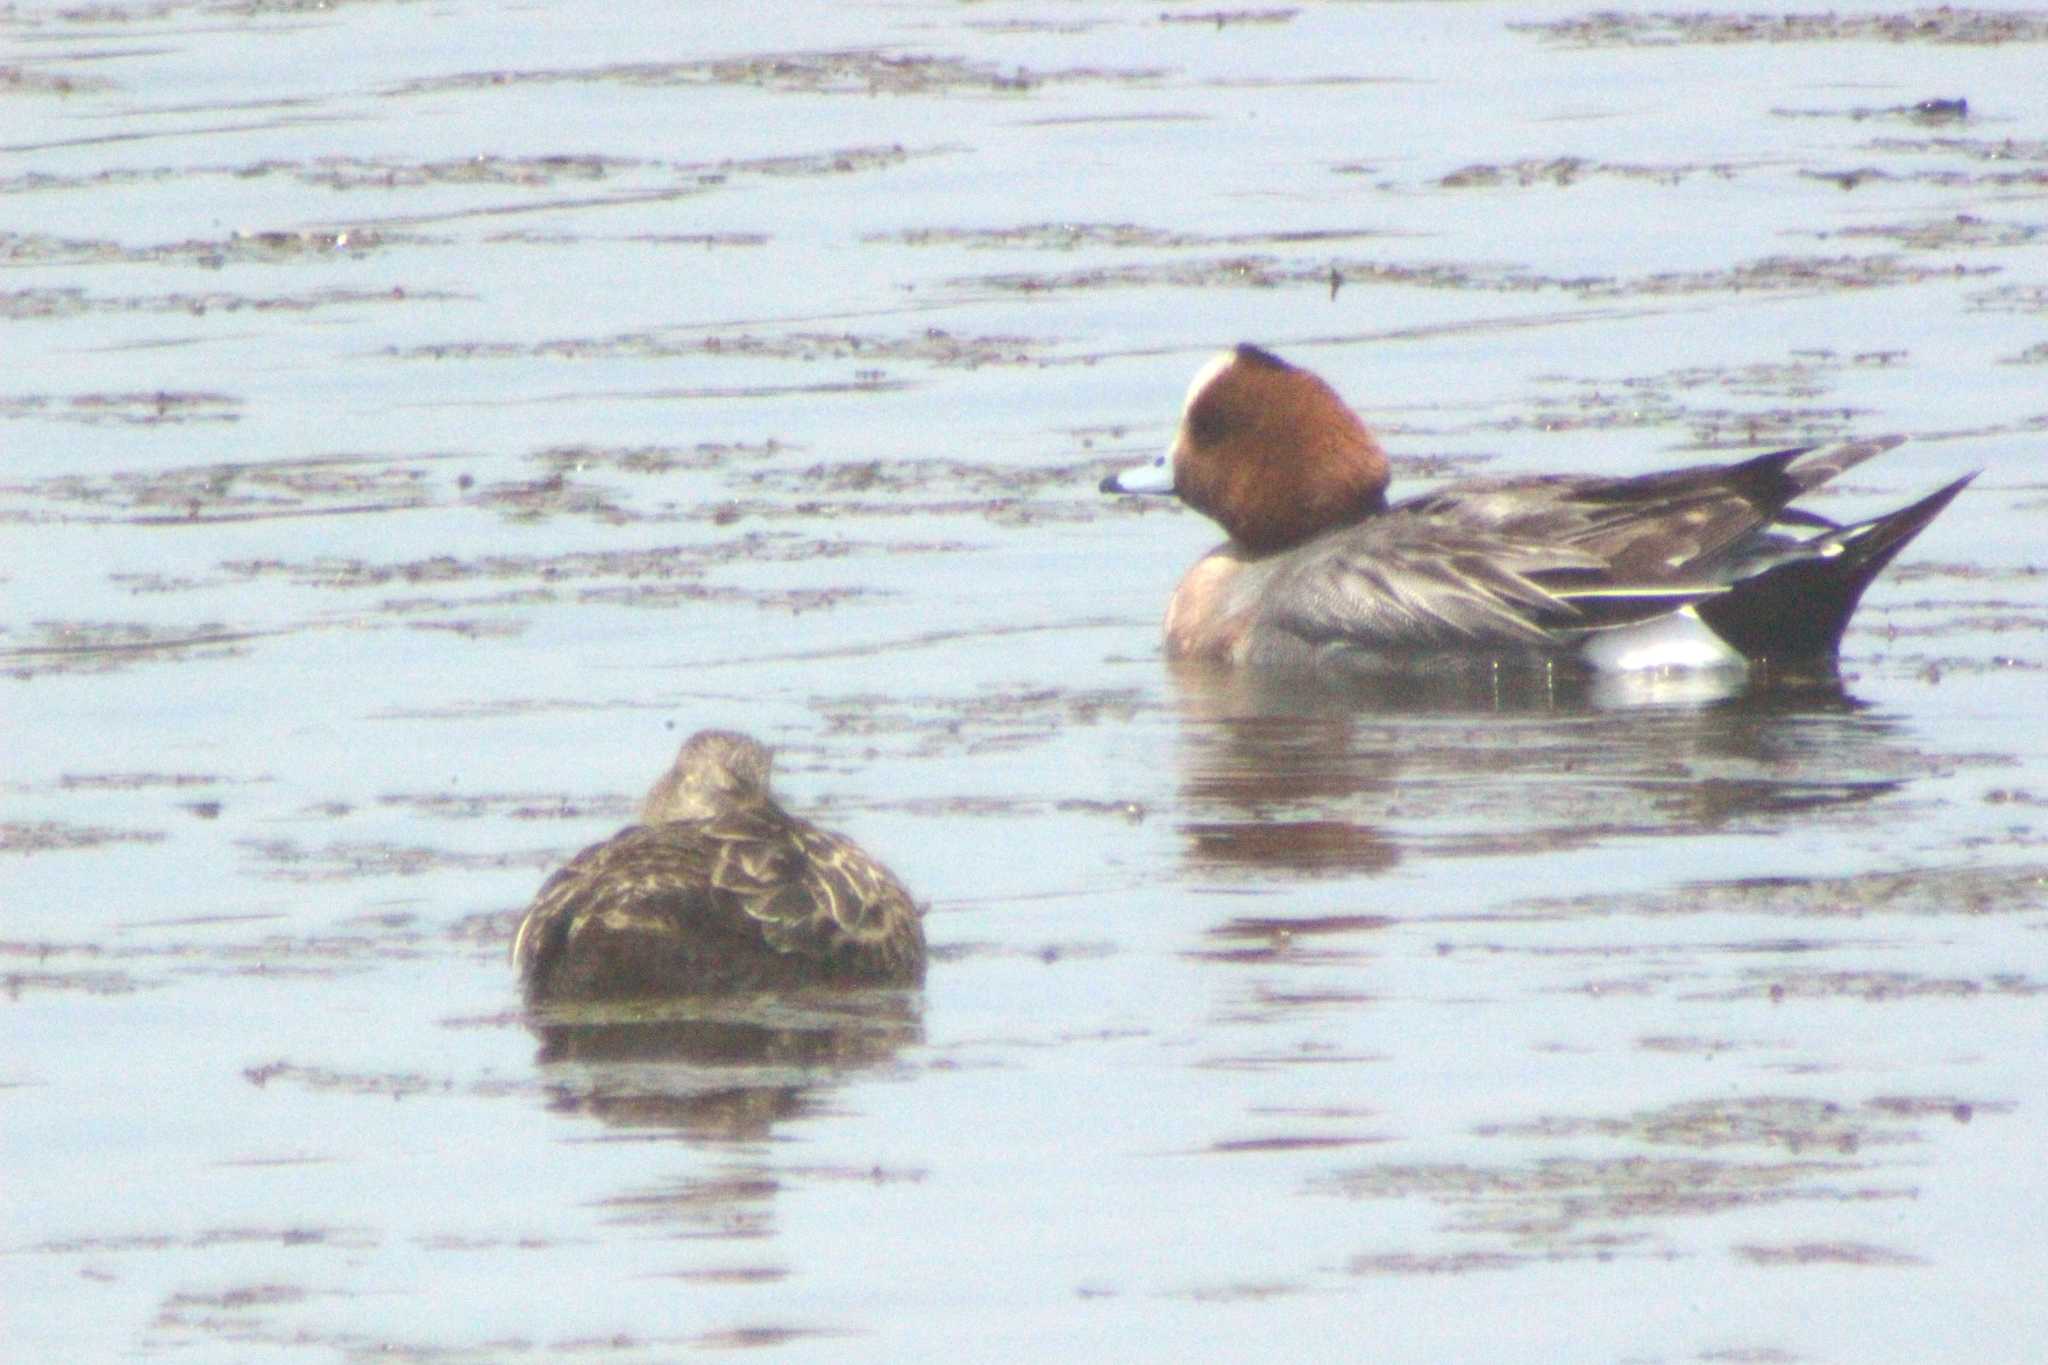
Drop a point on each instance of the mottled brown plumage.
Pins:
(720, 889)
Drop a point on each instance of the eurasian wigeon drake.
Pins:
(1694, 567)
(718, 889)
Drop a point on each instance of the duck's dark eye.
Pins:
(1206, 422)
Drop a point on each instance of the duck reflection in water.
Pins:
(1332, 775)
(719, 1067)
(692, 971)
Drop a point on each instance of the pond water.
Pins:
(418, 417)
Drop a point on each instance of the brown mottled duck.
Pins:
(717, 889)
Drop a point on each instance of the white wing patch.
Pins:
(1680, 640)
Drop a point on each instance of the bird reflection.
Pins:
(718, 1067)
(1347, 776)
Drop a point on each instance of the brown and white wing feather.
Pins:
(809, 893)
(647, 880)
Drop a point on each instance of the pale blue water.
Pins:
(1619, 1029)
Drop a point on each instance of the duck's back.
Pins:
(1675, 525)
(751, 898)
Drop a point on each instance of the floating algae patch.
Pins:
(510, 805)
(344, 173)
(237, 491)
(1944, 25)
(50, 836)
(2004, 151)
(1070, 236)
(17, 983)
(653, 578)
(1961, 232)
(145, 781)
(1936, 891)
(1566, 1208)
(931, 346)
(1876, 987)
(1562, 172)
(1856, 177)
(1825, 1253)
(1770, 274)
(1314, 940)
(288, 860)
(1928, 113)
(1227, 18)
(845, 71)
(67, 303)
(125, 966)
(2010, 299)
(242, 247)
(347, 173)
(991, 720)
(159, 407)
(396, 1085)
(1796, 1124)
(19, 80)
(108, 646)
(1802, 1154)
(1703, 398)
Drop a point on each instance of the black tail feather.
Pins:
(1796, 611)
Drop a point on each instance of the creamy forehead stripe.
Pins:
(1223, 361)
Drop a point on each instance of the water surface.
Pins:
(420, 418)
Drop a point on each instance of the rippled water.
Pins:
(418, 418)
